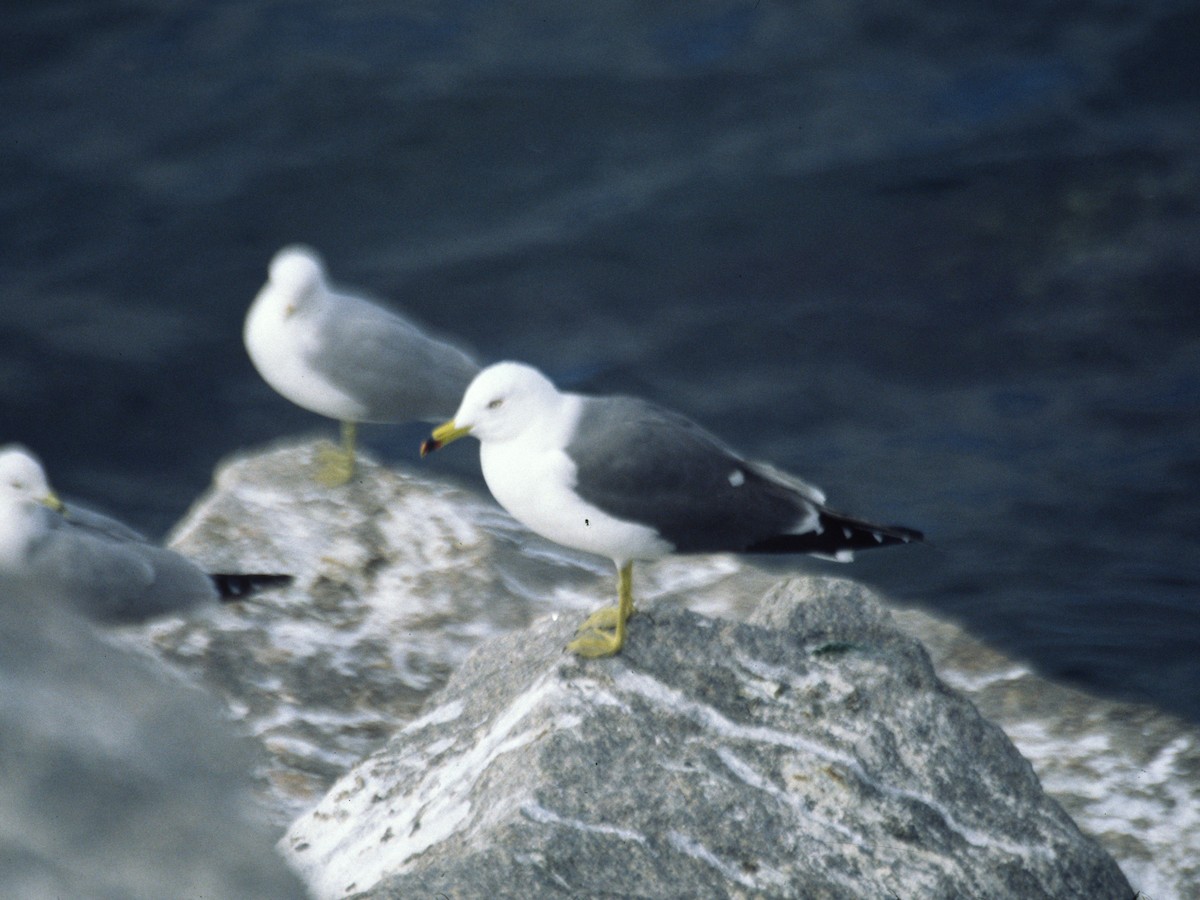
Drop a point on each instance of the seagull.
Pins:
(623, 478)
(347, 358)
(103, 568)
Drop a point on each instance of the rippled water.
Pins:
(940, 260)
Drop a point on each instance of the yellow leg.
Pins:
(337, 465)
(603, 632)
(606, 618)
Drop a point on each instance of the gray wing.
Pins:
(645, 464)
(397, 371)
(103, 526)
(114, 578)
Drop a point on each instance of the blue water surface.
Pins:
(942, 260)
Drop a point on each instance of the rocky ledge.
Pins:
(117, 781)
(810, 752)
(397, 578)
(400, 577)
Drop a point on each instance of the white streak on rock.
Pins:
(354, 838)
(977, 681)
(696, 850)
(708, 717)
(748, 774)
(543, 816)
(439, 715)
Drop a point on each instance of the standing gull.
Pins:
(626, 479)
(347, 358)
(106, 570)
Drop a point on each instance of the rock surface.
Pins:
(397, 578)
(117, 782)
(810, 753)
(401, 575)
(1128, 774)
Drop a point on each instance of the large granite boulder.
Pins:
(116, 781)
(400, 574)
(812, 752)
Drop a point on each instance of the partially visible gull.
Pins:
(95, 564)
(626, 479)
(347, 358)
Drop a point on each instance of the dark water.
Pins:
(941, 259)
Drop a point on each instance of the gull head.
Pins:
(296, 273)
(502, 402)
(23, 480)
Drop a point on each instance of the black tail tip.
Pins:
(907, 535)
(233, 587)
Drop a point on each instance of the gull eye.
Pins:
(496, 404)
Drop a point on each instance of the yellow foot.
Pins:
(603, 632)
(605, 618)
(591, 643)
(337, 466)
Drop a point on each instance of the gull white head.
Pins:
(296, 273)
(24, 496)
(23, 480)
(501, 403)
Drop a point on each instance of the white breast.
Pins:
(534, 481)
(277, 346)
(14, 539)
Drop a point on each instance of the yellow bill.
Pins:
(442, 435)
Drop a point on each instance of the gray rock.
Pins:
(402, 575)
(810, 753)
(1127, 773)
(398, 576)
(118, 782)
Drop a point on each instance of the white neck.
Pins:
(17, 523)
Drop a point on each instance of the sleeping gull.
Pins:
(103, 568)
(623, 478)
(347, 358)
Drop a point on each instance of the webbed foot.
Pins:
(605, 619)
(592, 643)
(603, 632)
(337, 463)
(336, 466)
